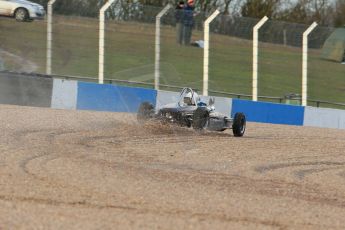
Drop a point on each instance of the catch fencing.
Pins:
(129, 55)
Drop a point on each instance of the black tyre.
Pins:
(239, 125)
(145, 112)
(21, 15)
(200, 118)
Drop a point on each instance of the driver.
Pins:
(188, 99)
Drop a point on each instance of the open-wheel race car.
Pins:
(190, 111)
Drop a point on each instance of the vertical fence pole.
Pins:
(255, 56)
(158, 44)
(101, 41)
(207, 50)
(305, 63)
(1, 65)
(49, 36)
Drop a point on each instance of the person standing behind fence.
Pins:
(188, 22)
(179, 22)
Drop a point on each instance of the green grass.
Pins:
(130, 56)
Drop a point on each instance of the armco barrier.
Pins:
(325, 118)
(25, 90)
(269, 112)
(65, 94)
(112, 98)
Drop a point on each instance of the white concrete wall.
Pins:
(223, 105)
(65, 94)
(166, 97)
(324, 118)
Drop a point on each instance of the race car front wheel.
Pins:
(145, 111)
(200, 118)
(239, 125)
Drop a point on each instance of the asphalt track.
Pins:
(91, 170)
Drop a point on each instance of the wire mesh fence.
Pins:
(130, 52)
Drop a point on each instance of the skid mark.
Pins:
(152, 156)
(177, 213)
(301, 174)
(272, 167)
(230, 182)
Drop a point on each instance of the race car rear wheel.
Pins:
(200, 118)
(145, 111)
(239, 125)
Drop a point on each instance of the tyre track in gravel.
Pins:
(48, 153)
(177, 213)
(144, 159)
(139, 141)
(232, 182)
(240, 184)
(50, 136)
(235, 182)
(316, 167)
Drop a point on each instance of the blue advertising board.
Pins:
(269, 112)
(112, 98)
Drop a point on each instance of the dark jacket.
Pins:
(179, 15)
(188, 16)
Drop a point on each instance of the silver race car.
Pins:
(190, 111)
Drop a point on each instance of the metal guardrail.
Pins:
(280, 99)
(318, 103)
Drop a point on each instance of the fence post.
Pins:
(49, 36)
(206, 50)
(255, 55)
(158, 44)
(1, 65)
(305, 63)
(101, 41)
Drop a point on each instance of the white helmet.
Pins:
(188, 99)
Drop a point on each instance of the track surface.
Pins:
(86, 170)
